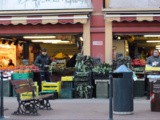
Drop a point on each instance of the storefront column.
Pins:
(108, 41)
(87, 39)
(107, 3)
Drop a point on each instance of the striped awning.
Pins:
(133, 17)
(34, 20)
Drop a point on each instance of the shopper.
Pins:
(154, 60)
(10, 63)
(43, 61)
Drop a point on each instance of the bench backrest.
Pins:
(21, 86)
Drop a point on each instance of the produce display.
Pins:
(138, 62)
(102, 69)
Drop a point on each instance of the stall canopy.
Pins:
(44, 11)
(34, 20)
(133, 17)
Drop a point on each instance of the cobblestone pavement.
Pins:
(82, 109)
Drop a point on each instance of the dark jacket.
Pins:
(42, 60)
(152, 59)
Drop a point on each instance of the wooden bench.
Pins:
(29, 106)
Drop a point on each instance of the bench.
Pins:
(29, 106)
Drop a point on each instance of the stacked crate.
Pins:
(29, 95)
(67, 87)
(83, 86)
(51, 87)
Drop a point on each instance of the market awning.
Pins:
(34, 20)
(132, 17)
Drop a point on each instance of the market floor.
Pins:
(82, 109)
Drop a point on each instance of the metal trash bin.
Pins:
(154, 92)
(123, 91)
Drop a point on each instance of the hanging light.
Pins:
(9, 42)
(4, 41)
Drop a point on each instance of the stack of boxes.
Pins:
(29, 95)
(67, 87)
(51, 88)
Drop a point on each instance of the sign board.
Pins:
(44, 4)
(146, 4)
(98, 43)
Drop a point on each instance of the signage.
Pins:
(44, 4)
(120, 4)
(98, 43)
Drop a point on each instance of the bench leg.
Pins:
(45, 104)
(26, 108)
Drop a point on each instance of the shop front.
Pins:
(132, 33)
(59, 18)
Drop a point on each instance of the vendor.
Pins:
(154, 60)
(43, 61)
(10, 63)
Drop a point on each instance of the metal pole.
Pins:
(110, 97)
(1, 112)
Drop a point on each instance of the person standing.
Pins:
(154, 60)
(43, 61)
(10, 63)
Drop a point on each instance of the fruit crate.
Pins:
(54, 96)
(67, 85)
(28, 95)
(102, 88)
(51, 86)
(66, 93)
(139, 88)
(83, 89)
(22, 76)
(67, 78)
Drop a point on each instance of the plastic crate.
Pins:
(83, 89)
(67, 78)
(51, 86)
(6, 88)
(67, 85)
(55, 94)
(28, 95)
(139, 88)
(102, 89)
(66, 93)
(22, 76)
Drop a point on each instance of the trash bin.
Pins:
(154, 92)
(123, 91)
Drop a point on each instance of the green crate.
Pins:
(6, 88)
(139, 88)
(66, 93)
(55, 94)
(22, 76)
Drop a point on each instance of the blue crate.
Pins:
(66, 93)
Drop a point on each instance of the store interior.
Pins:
(12, 46)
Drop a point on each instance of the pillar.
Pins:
(87, 39)
(108, 41)
(107, 3)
